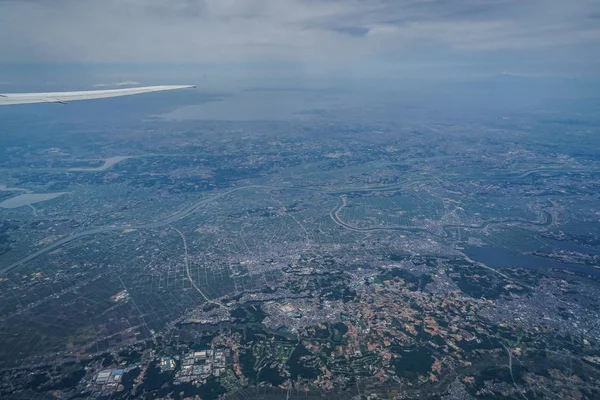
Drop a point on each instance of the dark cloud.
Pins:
(594, 15)
(357, 31)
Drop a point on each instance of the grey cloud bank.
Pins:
(380, 37)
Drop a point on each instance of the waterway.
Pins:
(192, 208)
(109, 162)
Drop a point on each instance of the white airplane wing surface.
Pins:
(65, 97)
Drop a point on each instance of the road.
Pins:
(189, 275)
(112, 228)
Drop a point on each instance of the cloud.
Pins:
(117, 84)
(310, 32)
(524, 75)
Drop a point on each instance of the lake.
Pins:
(28, 199)
(504, 258)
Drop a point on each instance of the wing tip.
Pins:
(65, 97)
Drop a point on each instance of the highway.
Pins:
(113, 228)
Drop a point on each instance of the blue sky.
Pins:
(235, 40)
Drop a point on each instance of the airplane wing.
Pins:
(65, 97)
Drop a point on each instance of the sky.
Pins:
(422, 39)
